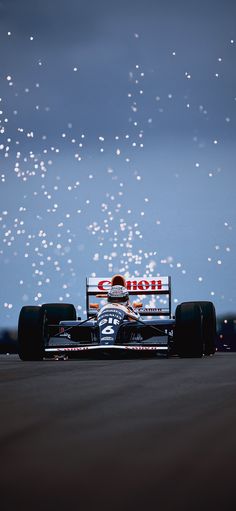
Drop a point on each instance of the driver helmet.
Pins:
(118, 294)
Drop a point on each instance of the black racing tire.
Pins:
(188, 336)
(208, 327)
(32, 333)
(56, 312)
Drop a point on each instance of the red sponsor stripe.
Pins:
(142, 347)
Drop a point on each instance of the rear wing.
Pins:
(156, 286)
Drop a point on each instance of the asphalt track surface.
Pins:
(146, 434)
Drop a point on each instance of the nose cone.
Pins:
(118, 280)
(109, 322)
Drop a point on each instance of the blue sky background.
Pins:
(117, 148)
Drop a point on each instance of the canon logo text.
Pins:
(134, 285)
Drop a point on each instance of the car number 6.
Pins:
(108, 330)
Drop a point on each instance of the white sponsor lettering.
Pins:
(103, 322)
(110, 320)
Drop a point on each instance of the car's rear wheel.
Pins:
(208, 326)
(32, 333)
(56, 312)
(188, 330)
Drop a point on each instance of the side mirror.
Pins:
(94, 305)
(137, 305)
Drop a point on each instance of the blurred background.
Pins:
(117, 148)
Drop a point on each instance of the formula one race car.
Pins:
(115, 327)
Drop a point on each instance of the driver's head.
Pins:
(118, 294)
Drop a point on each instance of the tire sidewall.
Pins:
(32, 333)
(188, 330)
